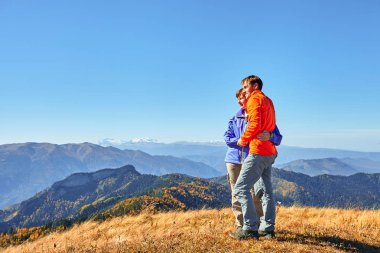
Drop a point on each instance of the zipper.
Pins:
(242, 148)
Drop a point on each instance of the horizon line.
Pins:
(216, 143)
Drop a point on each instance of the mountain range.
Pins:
(83, 194)
(332, 166)
(27, 168)
(213, 153)
(110, 192)
(356, 191)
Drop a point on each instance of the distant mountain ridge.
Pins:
(330, 166)
(213, 153)
(27, 168)
(83, 194)
(356, 191)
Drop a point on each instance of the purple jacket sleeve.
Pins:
(229, 136)
(277, 137)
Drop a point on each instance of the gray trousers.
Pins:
(254, 168)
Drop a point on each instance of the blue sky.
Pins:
(75, 71)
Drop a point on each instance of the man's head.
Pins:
(241, 97)
(251, 83)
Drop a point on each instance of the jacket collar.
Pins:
(240, 113)
(253, 93)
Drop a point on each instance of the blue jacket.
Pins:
(236, 127)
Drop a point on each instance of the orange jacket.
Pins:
(261, 116)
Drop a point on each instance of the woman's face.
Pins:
(242, 100)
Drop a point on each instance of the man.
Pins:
(261, 117)
(235, 156)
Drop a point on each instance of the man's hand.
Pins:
(264, 136)
(241, 143)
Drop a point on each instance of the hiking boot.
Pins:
(266, 234)
(242, 234)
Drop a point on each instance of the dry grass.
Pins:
(299, 229)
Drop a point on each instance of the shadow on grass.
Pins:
(332, 241)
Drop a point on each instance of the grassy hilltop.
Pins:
(299, 229)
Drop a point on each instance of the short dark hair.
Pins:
(252, 80)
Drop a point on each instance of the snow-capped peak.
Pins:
(140, 140)
(115, 142)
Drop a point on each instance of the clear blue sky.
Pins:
(75, 71)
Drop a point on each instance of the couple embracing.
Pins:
(252, 137)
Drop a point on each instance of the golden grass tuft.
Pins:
(298, 229)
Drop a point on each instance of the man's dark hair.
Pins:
(252, 80)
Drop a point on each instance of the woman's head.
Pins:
(241, 97)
